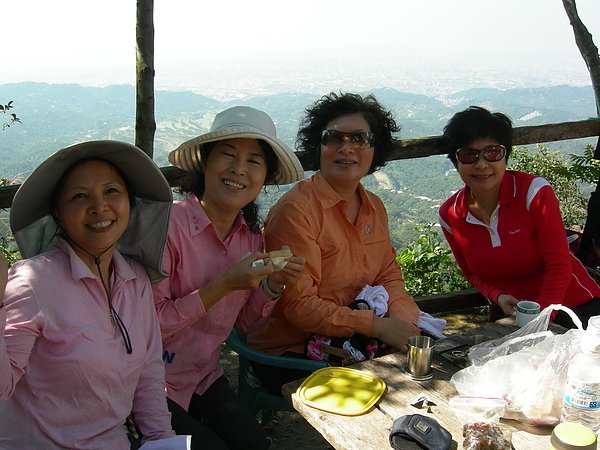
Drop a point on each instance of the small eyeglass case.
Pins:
(417, 432)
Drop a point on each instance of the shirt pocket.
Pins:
(337, 265)
(376, 250)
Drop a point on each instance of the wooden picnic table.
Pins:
(371, 430)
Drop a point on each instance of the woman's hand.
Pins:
(289, 275)
(243, 276)
(3, 277)
(394, 331)
(508, 303)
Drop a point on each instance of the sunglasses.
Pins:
(491, 153)
(358, 139)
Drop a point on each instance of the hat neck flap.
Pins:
(143, 239)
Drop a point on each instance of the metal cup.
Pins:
(420, 353)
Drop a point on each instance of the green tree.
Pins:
(13, 117)
(10, 254)
(428, 265)
(585, 167)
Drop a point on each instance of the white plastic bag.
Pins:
(526, 368)
(525, 337)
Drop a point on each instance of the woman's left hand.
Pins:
(289, 275)
(508, 303)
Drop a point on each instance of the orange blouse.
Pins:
(341, 258)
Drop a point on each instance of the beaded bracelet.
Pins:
(269, 292)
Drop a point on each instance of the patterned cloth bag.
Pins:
(343, 351)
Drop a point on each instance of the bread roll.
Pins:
(278, 258)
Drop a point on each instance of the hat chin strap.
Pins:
(96, 258)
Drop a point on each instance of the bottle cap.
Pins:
(572, 436)
(590, 341)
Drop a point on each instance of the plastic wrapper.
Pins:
(480, 417)
(484, 436)
(525, 337)
(527, 369)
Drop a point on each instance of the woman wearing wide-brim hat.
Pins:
(80, 349)
(215, 280)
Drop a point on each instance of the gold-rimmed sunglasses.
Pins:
(358, 139)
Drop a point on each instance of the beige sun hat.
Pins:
(240, 122)
(36, 231)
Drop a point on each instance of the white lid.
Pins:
(590, 341)
(594, 325)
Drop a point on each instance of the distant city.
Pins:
(353, 71)
(56, 115)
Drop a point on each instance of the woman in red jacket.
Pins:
(505, 228)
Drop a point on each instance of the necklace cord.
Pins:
(114, 316)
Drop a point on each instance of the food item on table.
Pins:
(484, 436)
(278, 258)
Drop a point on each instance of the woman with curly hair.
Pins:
(342, 231)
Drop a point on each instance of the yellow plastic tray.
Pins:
(341, 390)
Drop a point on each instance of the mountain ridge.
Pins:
(56, 115)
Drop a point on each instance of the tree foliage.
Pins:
(13, 117)
(428, 265)
(585, 167)
(10, 254)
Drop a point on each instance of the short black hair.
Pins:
(332, 106)
(475, 123)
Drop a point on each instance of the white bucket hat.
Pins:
(35, 230)
(240, 122)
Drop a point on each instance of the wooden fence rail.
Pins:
(421, 148)
(416, 148)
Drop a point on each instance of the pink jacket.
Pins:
(66, 380)
(191, 335)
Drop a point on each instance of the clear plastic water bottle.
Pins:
(582, 391)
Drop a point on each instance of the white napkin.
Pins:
(171, 443)
(431, 324)
(377, 299)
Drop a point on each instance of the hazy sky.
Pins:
(93, 42)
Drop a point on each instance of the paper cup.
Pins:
(526, 312)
